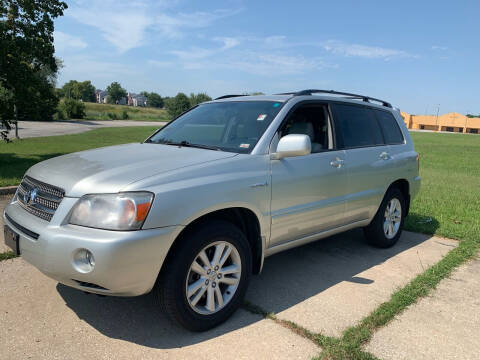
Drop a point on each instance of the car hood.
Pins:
(109, 169)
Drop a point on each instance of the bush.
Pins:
(124, 115)
(71, 109)
(112, 116)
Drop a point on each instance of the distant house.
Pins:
(101, 96)
(136, 100)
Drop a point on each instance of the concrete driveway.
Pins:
(325, 286)
(27, 129)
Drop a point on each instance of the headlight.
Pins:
(122, 211)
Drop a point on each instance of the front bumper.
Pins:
(127, 263)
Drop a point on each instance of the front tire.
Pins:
(205, 279)
(387, 225)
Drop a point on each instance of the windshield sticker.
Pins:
(261, 117)
(276, 105)
(245, 146)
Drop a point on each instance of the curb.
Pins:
(7, 190)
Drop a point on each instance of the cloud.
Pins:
(173, 26)
(245, 60)
(364, 51)
(65, 41)
(440, 48)
(274, 64)
(228, 42)
(125, 23)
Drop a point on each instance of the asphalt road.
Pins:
(27, 129)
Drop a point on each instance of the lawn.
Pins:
(449, 201)
(16, 157)
(96, 111)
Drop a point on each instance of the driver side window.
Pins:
(311, 120)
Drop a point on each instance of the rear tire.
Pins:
(387, 225)
(189, 295)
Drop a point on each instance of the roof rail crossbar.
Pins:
(350, 95)
(228, 96)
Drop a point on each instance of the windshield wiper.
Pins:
(187, 144)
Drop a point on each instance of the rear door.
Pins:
(367, 159)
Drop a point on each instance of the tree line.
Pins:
(74, 93)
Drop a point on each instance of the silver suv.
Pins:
(192, 212)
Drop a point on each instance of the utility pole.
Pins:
(436, 120)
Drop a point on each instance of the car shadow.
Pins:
(286, 280)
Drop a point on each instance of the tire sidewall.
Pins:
(193, 243)
(375, 233)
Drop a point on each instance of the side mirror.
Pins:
(293, 145)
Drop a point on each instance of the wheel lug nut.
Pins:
(209, 271)
(214, 284)
(206, 282)
(219, 276)
(216, 268)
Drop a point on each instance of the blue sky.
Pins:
(416, 54)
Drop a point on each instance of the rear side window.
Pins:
(358, 125)
(390, 129)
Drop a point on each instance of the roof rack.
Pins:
(350, 95)
(228, 96)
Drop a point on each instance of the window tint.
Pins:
(358, 125)
(389, 126)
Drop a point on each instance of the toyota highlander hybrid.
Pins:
(192, 212)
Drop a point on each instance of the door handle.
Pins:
(384, 156)
(338, 163)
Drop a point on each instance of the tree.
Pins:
(177, 105)
(154, 100)
(84, 90)
(198, 98)
(115, 92)
(27, 64)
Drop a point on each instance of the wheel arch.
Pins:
(244, 218)
(404, 186)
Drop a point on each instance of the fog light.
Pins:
(83, 261)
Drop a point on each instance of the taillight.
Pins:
(418, 162)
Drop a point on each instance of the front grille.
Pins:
(38, 198)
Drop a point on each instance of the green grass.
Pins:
(16, 157)
(96, 111)
(7, 255)
(448, 205)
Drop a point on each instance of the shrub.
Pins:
(124, 115)
(112, 116)
(71, 109)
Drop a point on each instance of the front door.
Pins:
(308, 192)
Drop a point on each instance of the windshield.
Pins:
(234, 126)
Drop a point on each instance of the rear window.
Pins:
(390, 129)
(358, 126)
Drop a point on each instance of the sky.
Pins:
(422, 56)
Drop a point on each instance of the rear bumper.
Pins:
(127, 263)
